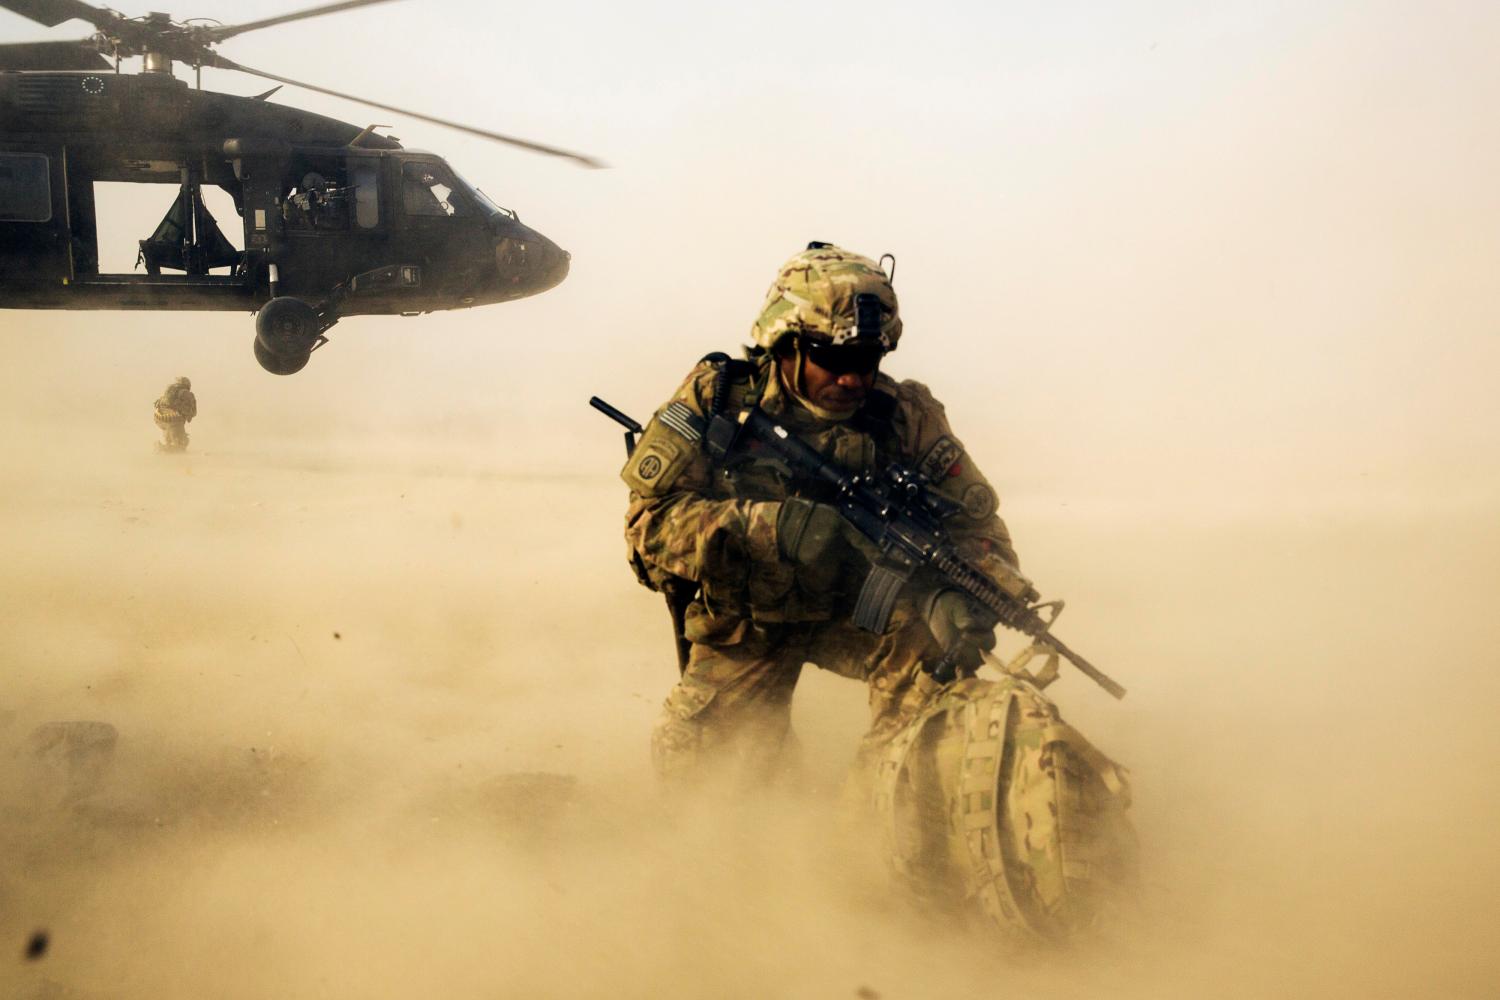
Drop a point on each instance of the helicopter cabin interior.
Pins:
(312, 208)
(50, 216)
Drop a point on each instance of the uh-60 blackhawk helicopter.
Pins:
(337, 220)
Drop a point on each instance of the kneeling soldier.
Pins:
(763, 572)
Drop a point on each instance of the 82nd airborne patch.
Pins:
(656, 463)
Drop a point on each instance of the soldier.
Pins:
(174, 408)
(762, 571)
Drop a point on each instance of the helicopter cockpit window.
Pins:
(428, 189)
(486, 204)
(25, 190)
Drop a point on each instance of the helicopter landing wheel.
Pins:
(286, 326)
(280, 364)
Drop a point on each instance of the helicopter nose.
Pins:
(528, 262)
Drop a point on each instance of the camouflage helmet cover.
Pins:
(813, 295)
(183, 381)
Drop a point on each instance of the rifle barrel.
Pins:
(1090, 671)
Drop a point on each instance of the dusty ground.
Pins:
(381, 715)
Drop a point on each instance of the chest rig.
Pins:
(744, 470)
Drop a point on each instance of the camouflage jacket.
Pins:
(176, 404)
(715, 525)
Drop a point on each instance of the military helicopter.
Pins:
(337, 220)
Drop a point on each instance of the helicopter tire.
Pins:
(280, 364)
(287, 327)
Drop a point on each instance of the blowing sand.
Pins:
(1209, 291)
(381, 717)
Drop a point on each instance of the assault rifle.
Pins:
(899, 512)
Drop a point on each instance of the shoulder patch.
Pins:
(661, 455)
(940, 459)
(979, 501)
(654, 466)
(679, 417)
(649, 467)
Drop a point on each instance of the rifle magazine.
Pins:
(872, 610)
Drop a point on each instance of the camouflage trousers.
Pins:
(174, 435)
(729, 717)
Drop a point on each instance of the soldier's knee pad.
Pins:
(677, 738)
(676, 747)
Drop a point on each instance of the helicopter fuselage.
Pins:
(348, 221)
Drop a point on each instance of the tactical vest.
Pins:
(860, 444)
(741, 470)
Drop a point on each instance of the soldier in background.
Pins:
(174, 408)
(762, 571)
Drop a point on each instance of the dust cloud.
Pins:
(1209, 292)
(376, 705)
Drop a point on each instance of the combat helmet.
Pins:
(183, 381)
(815, 294)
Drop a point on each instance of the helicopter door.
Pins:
(34, 240)
(334, 224)
(364, 178)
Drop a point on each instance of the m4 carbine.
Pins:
(900, 513)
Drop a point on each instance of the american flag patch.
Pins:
(680, 418)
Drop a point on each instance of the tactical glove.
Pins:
(810, 534)
(824, 548)
(961, 626)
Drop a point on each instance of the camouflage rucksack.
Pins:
(993, 804)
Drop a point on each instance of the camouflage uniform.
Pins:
(174, 408)
(756, 618)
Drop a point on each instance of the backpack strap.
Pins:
(988, 725)
(1114, 776)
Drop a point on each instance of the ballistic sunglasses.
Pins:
(844, 359)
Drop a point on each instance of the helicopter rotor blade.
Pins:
(52, 55)
(536, 147)
(126, 36)
(51, 13)
(230, 30)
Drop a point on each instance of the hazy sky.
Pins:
(1181, 247)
